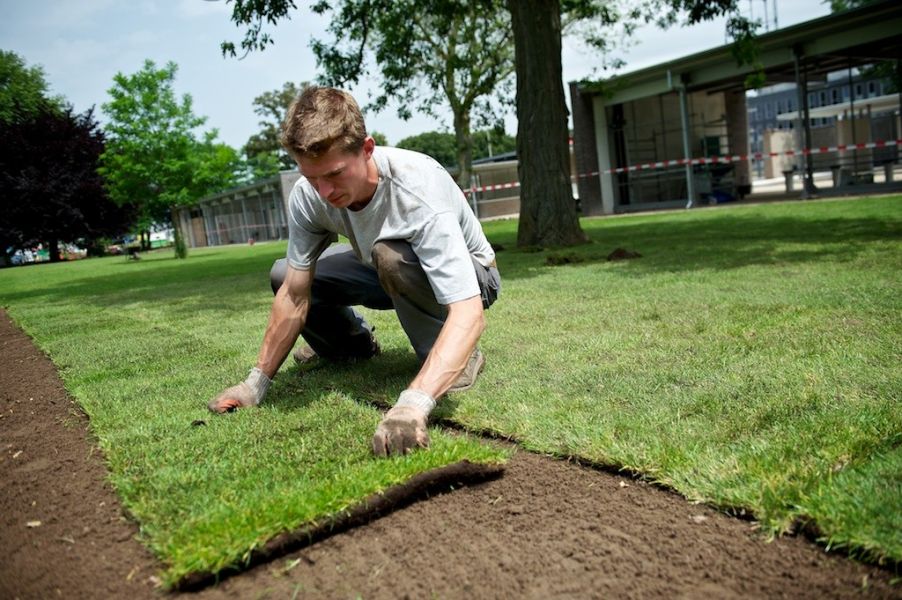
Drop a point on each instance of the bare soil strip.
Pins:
(547, 528)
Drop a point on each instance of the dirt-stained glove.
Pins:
(250, 392)
(403, 427)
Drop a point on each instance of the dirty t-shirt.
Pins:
(416, 200)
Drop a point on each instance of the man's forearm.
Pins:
(286, 321)
(452, 349)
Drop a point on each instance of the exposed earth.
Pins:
(546, 529)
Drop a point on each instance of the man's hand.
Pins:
(402, 429)
(249, 392)
(237, 396)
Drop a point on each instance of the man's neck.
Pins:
(372, 184)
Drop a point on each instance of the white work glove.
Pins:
(250, 392)
(403, 427)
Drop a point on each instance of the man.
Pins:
(415, 247)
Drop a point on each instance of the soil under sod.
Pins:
(546, 529)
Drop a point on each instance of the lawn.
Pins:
(143, 345)
(749, 359)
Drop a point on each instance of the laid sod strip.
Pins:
(143, 345)
(419, 486)
(749, 359)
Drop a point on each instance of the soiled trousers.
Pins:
(336, 331)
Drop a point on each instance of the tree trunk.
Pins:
(464, 139)
(181, 248)
(547, 208)
(53, 247)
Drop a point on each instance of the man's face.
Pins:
(343, 179)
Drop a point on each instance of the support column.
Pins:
(585, 151)
(809, 190)
(247, 225)
(603, 151)
(684, 119)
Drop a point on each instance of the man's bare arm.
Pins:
(452, 349)
(286, 320)
(403, 427)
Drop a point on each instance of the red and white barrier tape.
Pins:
(710, 160)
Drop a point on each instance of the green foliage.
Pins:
(379, 138)
(271, 107)
(490, 142)
(450, 53)
(440, 146)
(154, 157)
(23, 90)
(50, 191)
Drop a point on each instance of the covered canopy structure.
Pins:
(672, 134)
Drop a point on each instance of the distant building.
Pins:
(768, 107)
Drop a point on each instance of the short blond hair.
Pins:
(320, 118)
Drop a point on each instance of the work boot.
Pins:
(474, 367)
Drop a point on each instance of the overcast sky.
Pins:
(82, 44)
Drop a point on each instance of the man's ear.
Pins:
(369, 144)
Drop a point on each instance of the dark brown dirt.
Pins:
(546, 529)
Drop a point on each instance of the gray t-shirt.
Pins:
(416, 200)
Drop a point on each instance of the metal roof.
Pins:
(841, 40)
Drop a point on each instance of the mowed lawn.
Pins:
(749, 359)
(144, 345)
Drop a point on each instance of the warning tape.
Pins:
(710, 160)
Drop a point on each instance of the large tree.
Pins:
(50, 191)
(155, 157)
(547, 208)
(390, 29)
(429, 53)
(548, 215)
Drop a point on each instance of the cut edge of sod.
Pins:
(422, 485)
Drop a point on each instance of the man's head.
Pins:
(320, 118)
(324, 133)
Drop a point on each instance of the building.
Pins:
(775, 108)
(677, 133)
(252, 212)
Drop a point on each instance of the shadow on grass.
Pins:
(377, 381)
(710, 242)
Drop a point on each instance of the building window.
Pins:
(823, 99)
(834, 96)
(845, 93)
(812, 100)
(859, 93)
(872, 89)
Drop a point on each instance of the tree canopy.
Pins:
(50, 190)
(442, 147)
(23, 90)
(155, 157)
(460, 51)
(427, 53)
(271, 107)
